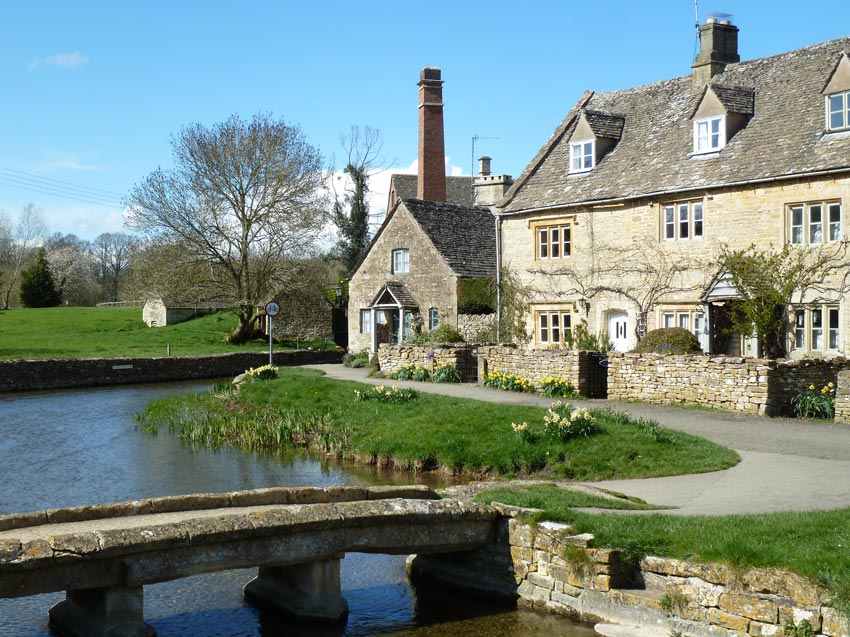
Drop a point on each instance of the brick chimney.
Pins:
(718, 46)
(432, 150)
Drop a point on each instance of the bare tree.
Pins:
(19, 251)
(243, 196)
(642, 272)
(112, 252)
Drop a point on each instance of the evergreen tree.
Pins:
(38, 289)
(353, 226)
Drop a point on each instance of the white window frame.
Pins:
(433, 318)
(691, 320)
(806, 228)
(816, 328)
(709, 134)
(550, 246)
(551, 325)
(366, 321)
(683, 221)
(582, 156)
(401, 261)
(842, 101)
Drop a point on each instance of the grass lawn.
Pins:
(304, 408)
(94, 332)
(813, 544)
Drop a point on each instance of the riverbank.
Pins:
(27, 375)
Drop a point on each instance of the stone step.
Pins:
(621, 630)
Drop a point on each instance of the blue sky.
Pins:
(93, 90)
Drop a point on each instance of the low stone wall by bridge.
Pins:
(749, 385)
(26, 375)
(548, 567)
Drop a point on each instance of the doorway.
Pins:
(618, 330)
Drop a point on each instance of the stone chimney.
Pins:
(718, 46)
(489, 189)
(432, 150)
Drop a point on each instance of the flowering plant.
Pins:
(815, 403)
(554, 387)
(383, 395)
(445, 373)
(522, 432)
(562, 422)
(510, 382)
(414, 371)
(266, 372)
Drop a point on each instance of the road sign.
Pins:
(272, 308)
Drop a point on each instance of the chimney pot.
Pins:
(484, 166)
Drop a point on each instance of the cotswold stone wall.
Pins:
(535, 364)
(471, 326)
(749, 385)
(842, 398)
(463, 357)
(548, 567)
(24, 375)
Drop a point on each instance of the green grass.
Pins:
(460, 434)
(96, 332)
(549, 497)
(813, 544)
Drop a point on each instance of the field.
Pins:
(95, 332)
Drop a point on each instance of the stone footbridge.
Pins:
(103, 555)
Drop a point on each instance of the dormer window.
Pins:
(582, 156)
(709, 134)
(838, 111)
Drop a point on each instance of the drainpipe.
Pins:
(497, 222)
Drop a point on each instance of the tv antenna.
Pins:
(475, 138)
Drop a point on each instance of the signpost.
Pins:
(272, 310)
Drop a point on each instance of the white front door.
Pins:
(618, 330)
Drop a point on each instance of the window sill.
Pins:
(710, 154)
(844, 133)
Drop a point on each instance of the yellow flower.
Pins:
(811, 387)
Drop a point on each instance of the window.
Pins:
(433, 318)
(838, 111)
(401, 261)
(691, 320)
(553, 242)
(709, 134)
(814, 223)
(582, 156)
(365, 321)
(683, 220)
(816, 328)
(553, 327)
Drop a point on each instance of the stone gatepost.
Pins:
(116, 611)
(307, 592)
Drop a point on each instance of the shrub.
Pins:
(445, 373)
(360, 359)
(266, 372)
(583, 339)
(562, 422)
(553, 387)
(510, 382)
(815, 403)
(445, 334)
(383, 395)
(669, 340)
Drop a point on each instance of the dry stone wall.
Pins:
(536, 364)
(473, 326)
(749, 385)
(548, 567)
(842, 398)
(463, 357)
(26, 375)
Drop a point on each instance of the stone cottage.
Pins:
(621, 216)
(432, 249)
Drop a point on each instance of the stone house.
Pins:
(433, 250)
(621, 216)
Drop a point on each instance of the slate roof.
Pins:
(784, 138)
(459, 190)
(735, 99)
(605, 124)
(463, 235)
(399, 292)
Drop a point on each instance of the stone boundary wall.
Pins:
(535, 364)
(750, 385)
(463, 357)
(471, 326)
(27, 375)
(547, 567)
(842, 398)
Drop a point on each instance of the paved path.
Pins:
(785, 464)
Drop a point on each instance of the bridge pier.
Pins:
(115, 611)
(307, 592)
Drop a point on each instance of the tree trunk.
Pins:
(245, 330)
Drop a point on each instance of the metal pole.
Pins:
(271, 331)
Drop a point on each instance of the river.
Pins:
(68, 448)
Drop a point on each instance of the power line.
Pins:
(60, 194)
(57, 181)
(58, 188)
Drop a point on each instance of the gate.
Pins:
(597, 375)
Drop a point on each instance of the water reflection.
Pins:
(68, 448)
